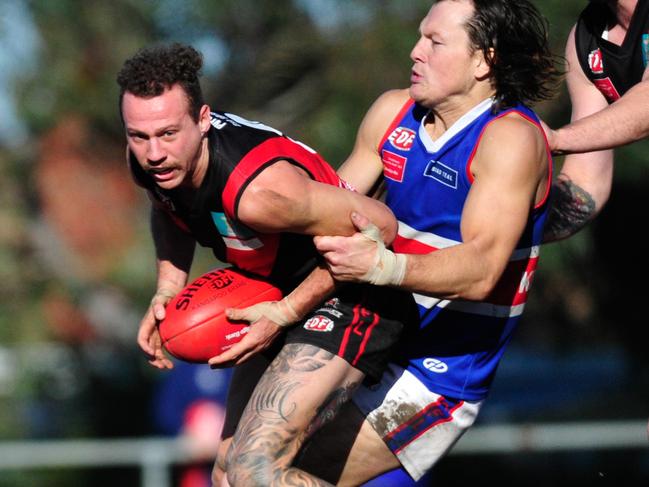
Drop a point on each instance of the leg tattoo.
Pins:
(275, 423)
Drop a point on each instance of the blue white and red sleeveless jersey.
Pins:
(239, 150)
(459, 343)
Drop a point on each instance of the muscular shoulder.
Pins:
(514, 125)
(380, 115)
(514, 139)
(387, 106)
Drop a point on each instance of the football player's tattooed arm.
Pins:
(572, 208)
(584, 184)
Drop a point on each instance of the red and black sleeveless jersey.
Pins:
(613, 69)
(239, 150)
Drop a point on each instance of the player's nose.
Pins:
(155, 152)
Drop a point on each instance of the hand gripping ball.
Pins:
(195, 327)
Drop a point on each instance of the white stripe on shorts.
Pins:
(419, 426)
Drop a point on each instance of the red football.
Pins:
(195, 327)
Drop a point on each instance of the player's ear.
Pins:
(204, 119)
(484, 63)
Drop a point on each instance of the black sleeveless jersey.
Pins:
(613, 69)
(239, 150)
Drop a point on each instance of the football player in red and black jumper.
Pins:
(256, 198)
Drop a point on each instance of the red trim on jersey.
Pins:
(259, 261)
(410, 246)
(366, 336)
(274, 149)
(511, 290)
(547, 151)
(395, 122)
(348, 331)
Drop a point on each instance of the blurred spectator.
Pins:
(190, 401)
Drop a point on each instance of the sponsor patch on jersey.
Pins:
(435, 365)
(442, 173)
(402, 138)
(319, 323)
(606, 87)
(329, 307)
(595, 62)
(394, 165)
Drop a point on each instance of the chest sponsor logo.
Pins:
(329, 307)
(394, 165)
(441, 173)
(402, 138)
(606, 87)
(435, 365)
(595, 62)
(319, 323)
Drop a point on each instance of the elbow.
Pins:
(389, 231)
(482, 288)
(387, 224)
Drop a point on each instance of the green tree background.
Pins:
(76, 261)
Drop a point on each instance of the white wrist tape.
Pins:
(389, 268)
(273, 311)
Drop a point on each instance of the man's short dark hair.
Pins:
(154, 69)
(513, 36)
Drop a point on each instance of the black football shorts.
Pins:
(362, 324)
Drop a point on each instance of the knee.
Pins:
(218, 471)
(247, 469)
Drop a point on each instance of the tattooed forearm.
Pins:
(571, 209)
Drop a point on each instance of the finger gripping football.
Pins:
(195, 327)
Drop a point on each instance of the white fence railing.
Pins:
(155, 456)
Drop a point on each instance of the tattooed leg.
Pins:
(571, 209)
(301, 390)
(243, 381)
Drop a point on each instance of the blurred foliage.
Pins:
(312, 76)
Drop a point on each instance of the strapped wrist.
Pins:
(389, 268)
(289, 314)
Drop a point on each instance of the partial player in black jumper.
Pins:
(608, 82)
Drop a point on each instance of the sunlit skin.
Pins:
(167, 143)
(445, 68)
